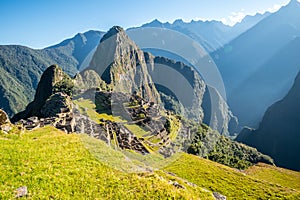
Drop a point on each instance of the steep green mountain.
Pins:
(251, 53)
(278, 133)
(21, 67)
(82, 47)
(121, 64)
(52, 81)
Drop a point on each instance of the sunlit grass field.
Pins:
(55, 165)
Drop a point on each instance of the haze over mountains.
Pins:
(278, 133)
(259, 66)
(212, 35)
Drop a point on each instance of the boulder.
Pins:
(3, 118)
(219, 196)
(5, 124)
(21, 192)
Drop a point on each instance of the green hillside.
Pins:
(55, 165)
(257, 182)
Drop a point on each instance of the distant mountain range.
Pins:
(259, 66)
(212, 35)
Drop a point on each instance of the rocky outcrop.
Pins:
(5, 124)
(218, 196)
(121, 64)
(88, 79)
(217, 113)
(52, 81)
(52, 103)
(278, 133)
(3, 117)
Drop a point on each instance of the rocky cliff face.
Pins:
(217, 113)
(181, 80)
(121, 64)
(52, 81)
(278, 133)
(200, 101)
(88, 79)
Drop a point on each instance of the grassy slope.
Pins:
(276, 175)
(258, 184)
(87, 107)
(55, 165)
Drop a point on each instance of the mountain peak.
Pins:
(178, 21)
(293, 4)
(155, 21)
(112, 31)
(52, 81)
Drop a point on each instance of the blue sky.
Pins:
(41, 23)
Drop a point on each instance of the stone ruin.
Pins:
(133, 108)
(147, 115)
(125, 139)
(84, 124)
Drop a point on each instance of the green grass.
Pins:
(54, 165)
(87, 107)
(235, 184)
(276, 175)
(137, 130)
(175, 126)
